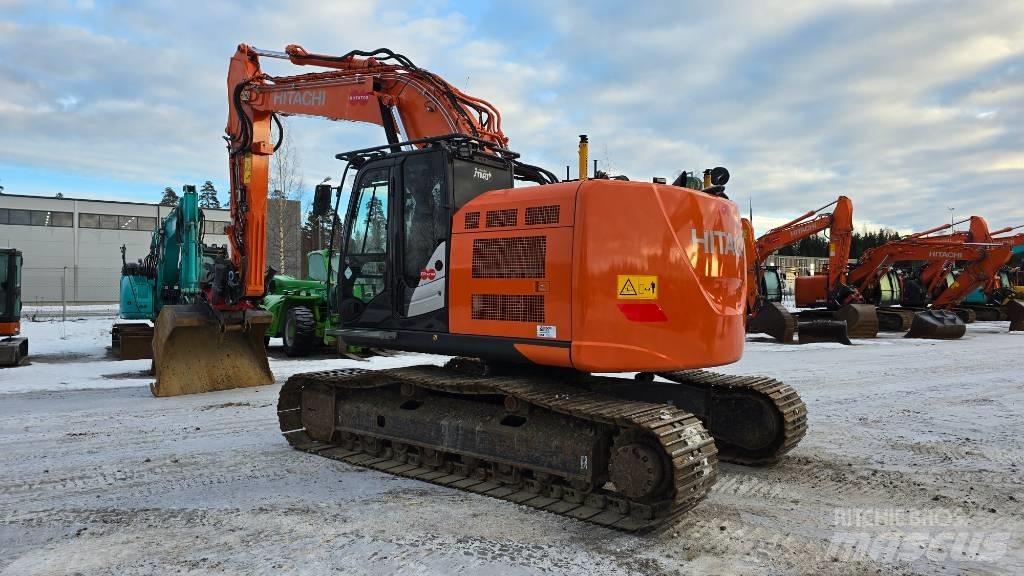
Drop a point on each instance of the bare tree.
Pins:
(285, 184)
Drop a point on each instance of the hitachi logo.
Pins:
(947, 255)
(301, 98)
(717, 242)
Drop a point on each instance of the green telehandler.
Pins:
(301, 307)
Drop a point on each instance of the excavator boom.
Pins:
(378, 87)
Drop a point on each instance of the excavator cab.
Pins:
(394, 270)
(772, 284)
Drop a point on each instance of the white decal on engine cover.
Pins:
(546, 332)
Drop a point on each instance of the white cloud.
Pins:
(906, 107)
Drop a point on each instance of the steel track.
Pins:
(683, 444)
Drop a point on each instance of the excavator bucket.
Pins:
(823, 331)
(861, 320)
(937, 325)
(774, 320)
(193, 354)
(1015, 312)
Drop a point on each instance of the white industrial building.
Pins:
(74, 244)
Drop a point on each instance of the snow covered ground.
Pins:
(913, 464)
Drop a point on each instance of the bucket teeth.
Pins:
(937, 324)
(191, 354)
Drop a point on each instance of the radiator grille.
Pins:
(508, 307)
(472, 220)
(542, 215)
(502, 218)
(518, 257)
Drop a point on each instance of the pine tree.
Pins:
(208, 196)
(378, 221)
(170, 197)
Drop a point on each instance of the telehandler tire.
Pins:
(299, 332)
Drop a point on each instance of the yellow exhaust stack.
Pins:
(584, 154)
(193, 354)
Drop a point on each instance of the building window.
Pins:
(20, 217)
(62, 219)
(115, 222)
(213, 227)
(35, 217)
(147, 223)
(88, 220)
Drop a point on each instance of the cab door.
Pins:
(365, 275)
(425, 216)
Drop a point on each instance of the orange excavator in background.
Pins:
(930, 279)
(532, 290)
(939, 321)
(848, 316)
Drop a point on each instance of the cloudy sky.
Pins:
(910, 108)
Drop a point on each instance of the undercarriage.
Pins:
(629, 454)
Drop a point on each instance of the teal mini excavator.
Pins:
(171, 274)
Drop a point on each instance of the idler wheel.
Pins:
(636, 469)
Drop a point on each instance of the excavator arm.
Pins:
(225, 334)
(379, 87)
(932, 276)
(977, 274)
(877, 261)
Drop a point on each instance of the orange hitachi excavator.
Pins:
(988, 303)
(930, 279)
(533, 290)
(853, 318)
(984, 259)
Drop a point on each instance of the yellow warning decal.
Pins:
(634, 287)
(246, 168)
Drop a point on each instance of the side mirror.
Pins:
(322, 199)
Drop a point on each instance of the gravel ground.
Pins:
(912, 466)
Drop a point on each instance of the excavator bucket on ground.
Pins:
(966, 315)
(894, 319)
(861, 320)
(823, 331)
(192, 353)
(937, 325)
(1015, 312)
(774, 320)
